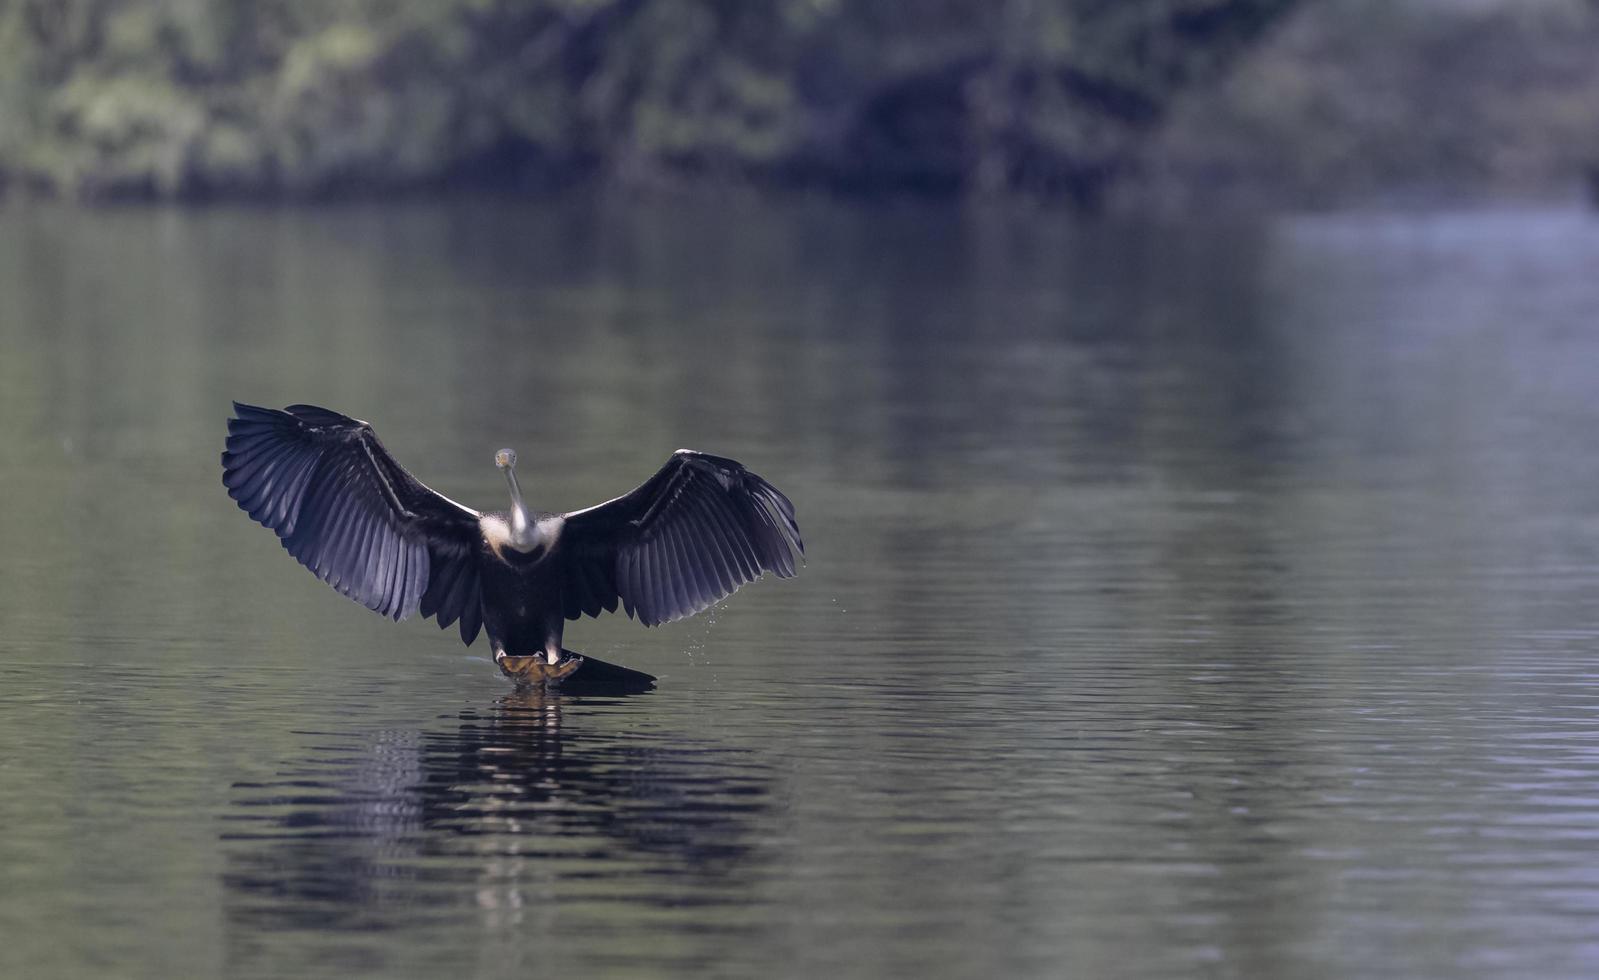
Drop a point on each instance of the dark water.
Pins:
(1183, 599)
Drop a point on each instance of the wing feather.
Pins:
(346, 510)
(440, 583)
(675, 579)
(706, 532)
(702, 592)
(625, 588)
(679, 579)
(657, 581)
(689, 536)
(749, 566)
(737, 570)
(472, 612)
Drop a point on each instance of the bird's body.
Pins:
(693, 533)
(520, 591)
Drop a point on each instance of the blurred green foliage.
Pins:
(1394, 100)
(304, 97)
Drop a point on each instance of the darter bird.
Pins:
(689, 536)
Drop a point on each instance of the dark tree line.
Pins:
(305, 97)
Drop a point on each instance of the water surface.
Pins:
(1184, 598)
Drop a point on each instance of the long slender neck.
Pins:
(524, 531)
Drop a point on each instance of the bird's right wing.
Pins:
(345, 509)
(693, 533)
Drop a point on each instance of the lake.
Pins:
(1205, 597)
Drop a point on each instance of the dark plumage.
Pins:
(693, 533)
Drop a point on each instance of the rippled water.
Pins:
(1183, 599)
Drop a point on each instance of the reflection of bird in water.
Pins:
(528, 771)
(505, 810)
(689, 536)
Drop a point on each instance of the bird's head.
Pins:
(505, 459)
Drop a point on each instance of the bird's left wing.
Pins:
(693, 533)
(345, 509)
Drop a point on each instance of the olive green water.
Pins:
(1184, 599)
